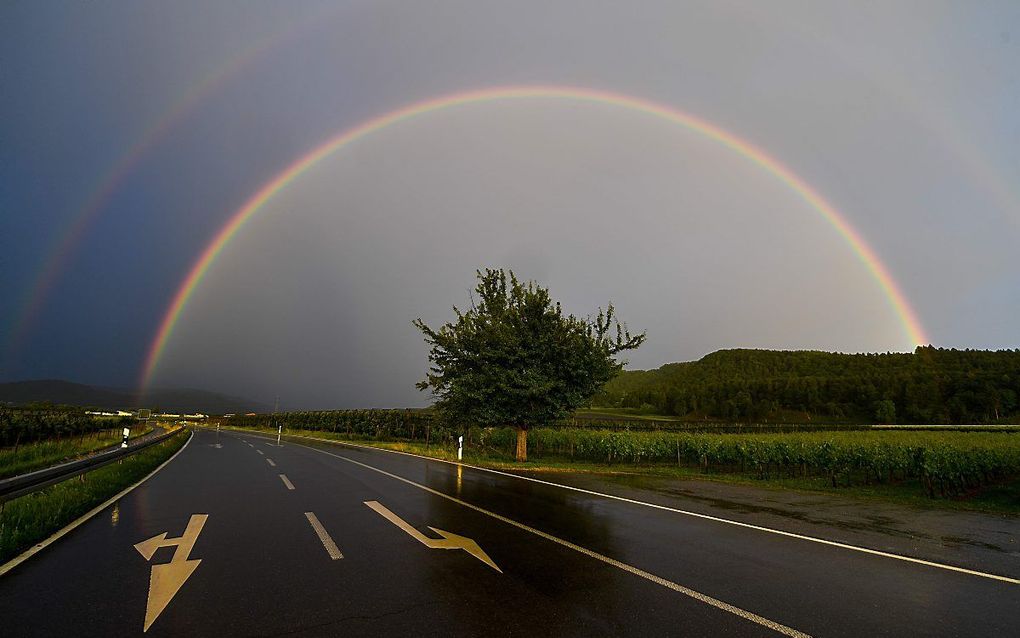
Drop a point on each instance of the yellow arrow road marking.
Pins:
(449, 540)
(167, 579)
(184, 543)
(149, 547)
(664, 508)
(696, 595)
(165, 582)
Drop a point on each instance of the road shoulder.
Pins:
(977, 540)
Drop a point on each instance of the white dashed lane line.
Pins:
(327, 541)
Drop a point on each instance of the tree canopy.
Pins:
(513, 358)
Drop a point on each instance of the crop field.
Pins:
(946, 463)
(943, 463)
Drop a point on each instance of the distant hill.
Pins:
(930, 385)
(177, 400)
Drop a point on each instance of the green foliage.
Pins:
(30, 518)
(39, 454)
(421, 425)
(946, 463)
(365, 424)
(23, 425)
(930, 385)
(514, 358)
(885, 411)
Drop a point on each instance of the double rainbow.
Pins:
(911, 325)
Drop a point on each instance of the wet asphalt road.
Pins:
(265, 570)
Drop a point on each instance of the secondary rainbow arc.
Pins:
(912, 327)
(70, 239)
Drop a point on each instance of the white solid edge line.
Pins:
(709, 517)
(38, 547)
(327, 540)
(658, 580)
(286, 481)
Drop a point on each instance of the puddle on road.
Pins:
(869, 523)
(956, 541)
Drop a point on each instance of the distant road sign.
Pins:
(144, 414)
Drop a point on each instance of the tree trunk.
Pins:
(522, 445)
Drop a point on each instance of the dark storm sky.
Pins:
(903, 115)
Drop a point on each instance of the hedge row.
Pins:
(414, 423)
(18, 426)
(378, 424)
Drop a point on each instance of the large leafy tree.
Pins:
(513, 358)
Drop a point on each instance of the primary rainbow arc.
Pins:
(898, 302)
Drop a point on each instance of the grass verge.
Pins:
(40, 454)
(1000, 498)
(31, 518)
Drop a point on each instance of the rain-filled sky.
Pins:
(132, 132)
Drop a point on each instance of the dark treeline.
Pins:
(427, 425)
(37, 422)
(381, 424)
(930, 385)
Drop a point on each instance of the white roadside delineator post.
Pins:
(460, 447)
(279, 433)
(127, 433)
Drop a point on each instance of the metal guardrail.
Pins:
(22, 484)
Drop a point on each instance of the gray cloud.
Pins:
(902, 114)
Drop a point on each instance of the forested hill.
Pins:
(930, 385)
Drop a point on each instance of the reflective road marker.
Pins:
(327, 541)
(286, 481)
(166, 579)
(448, 540)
